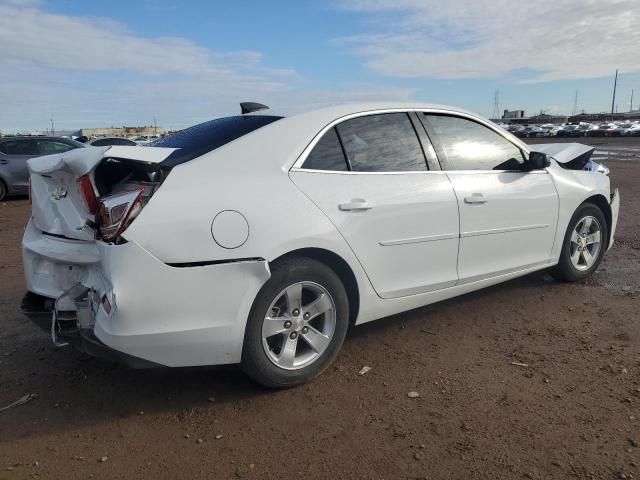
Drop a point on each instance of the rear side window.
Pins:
(49, 147)
(327, 154)
(19, 147)
(468, 145)
(382, 143)
(195, 141)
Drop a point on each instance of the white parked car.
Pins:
(259, 240)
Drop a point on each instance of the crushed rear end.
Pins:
(91, 287)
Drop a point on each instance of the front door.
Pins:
(508, 217)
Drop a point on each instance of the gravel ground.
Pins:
(572, 412)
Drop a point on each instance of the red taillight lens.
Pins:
(117, 212)
(88, 194)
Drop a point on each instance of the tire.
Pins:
(3, 190)
(268, 342)
(570, 270)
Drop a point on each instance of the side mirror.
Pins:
(537, 161)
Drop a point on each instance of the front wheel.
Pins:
(3, 190)
(584, 244)
(297, 324)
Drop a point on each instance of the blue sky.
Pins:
(122, 62)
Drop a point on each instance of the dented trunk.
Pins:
(69, 190)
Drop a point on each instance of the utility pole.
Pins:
(575, 104)
(52, 130)
(155, 126)
(496, 104)
(631, 105)
(615, 86)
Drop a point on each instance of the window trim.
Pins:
(305, 153)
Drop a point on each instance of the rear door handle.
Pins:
(355, 204)
(476, 198)
(4, 162)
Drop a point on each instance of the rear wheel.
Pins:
(297, 324)
(3, 190)
(584, 244)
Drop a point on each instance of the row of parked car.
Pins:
(582, 129)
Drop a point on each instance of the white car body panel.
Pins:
(495, 237)
(180, 298)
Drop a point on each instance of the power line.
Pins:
(615, 86)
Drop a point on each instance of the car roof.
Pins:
(297, 132)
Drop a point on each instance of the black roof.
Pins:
(195, 141)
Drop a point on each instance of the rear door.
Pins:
(370, 176)
(508, 217)
(13, 162)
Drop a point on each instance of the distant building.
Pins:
(520, 117)
(122, 131)
(604, 117)
(511, 114)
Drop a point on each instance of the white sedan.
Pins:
(258, 240)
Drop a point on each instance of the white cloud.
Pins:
(63, 65)
(88, 72)
(538, 40)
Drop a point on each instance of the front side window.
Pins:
(327, 154)
(382, 143)
(48, 147)
(468, 145)
(19, 147)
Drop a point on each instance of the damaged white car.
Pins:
(259, 240)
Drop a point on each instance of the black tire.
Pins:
(255, 361)
(565, 270)
(3, 190)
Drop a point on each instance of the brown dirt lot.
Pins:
(574, 412)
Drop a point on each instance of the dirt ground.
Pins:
(573, 412)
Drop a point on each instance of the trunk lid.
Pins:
(58, 204)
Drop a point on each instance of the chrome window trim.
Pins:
(297, 165)
(347, 172)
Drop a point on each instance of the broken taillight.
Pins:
(117, 212)
(88, 194)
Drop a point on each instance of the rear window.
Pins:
(103, 142)
(195, 141)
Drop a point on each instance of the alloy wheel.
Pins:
(586, 243)
(299, 325)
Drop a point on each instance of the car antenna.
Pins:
(250, 107)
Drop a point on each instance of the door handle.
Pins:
(4, 162)
(355, 204)
(476, 198)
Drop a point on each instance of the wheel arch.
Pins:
(339, 265)
(601, 202)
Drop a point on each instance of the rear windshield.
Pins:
(195, 141)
